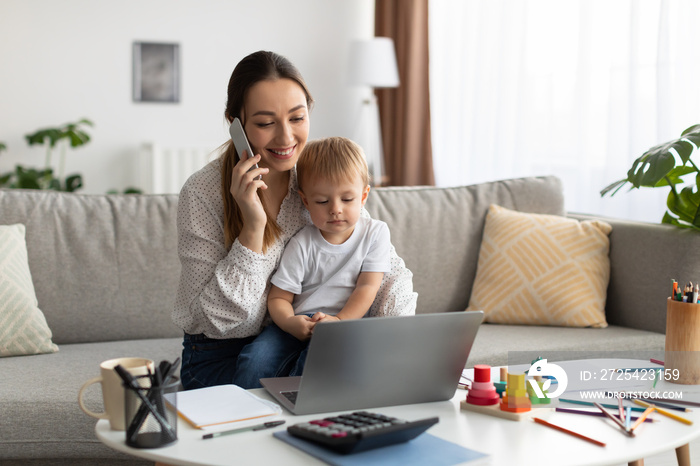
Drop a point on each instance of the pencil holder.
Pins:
(683, 341)
(151, 415)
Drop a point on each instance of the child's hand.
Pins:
(301, 327)
(322, 317)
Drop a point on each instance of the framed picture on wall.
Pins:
(156, 72)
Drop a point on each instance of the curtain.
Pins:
(574, 88)
(405, 111)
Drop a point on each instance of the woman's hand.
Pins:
(244, 189)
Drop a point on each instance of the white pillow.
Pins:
(23, 328)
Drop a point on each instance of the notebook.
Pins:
(374, 362)
(223, 405)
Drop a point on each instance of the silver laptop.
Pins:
(374, 362)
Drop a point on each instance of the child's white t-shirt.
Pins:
(321, 275)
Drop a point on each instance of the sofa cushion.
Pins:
(23, 328)
(542, 270)
(105, 267)
(39, 402)
(497, 344)
(437, 231)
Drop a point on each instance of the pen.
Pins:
(264, 426)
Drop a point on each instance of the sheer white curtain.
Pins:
(574, 88)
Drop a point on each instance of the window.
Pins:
(574, 88)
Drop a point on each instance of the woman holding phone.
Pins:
(234, 220)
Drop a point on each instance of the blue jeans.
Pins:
(274, 353)
(207, 362)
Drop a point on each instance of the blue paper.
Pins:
(424, 449)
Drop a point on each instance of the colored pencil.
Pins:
(673, 416)
(596, 414)
(620, 409)
(567, 431)
(671, 400)
(614, 419)
(656, 361)
(644, 415)
(588, 403)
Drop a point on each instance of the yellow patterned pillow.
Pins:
(540, 269)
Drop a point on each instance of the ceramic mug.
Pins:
(112, 389)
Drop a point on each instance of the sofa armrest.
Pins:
(644, 258)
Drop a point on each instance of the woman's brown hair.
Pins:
(256, 67)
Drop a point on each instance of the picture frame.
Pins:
(156, 72)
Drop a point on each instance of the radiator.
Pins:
(163, 170)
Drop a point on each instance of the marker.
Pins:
(267, 425)
(675, 290)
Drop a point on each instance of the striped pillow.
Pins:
(540, 269)
(23, 328)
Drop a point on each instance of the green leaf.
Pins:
(674, 176)
(614, 187)
(685, 204)
(77, 137)
(73, 183)
(693, 129)
(654, 164)
(5, 179)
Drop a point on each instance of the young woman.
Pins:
(234, 221)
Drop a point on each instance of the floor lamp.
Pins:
(372, 63)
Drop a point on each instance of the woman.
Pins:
(234, 221)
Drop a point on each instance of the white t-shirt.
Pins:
(322, 275)
(223, 292)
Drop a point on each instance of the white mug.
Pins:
(112, 389)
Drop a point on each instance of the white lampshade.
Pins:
(373, 63)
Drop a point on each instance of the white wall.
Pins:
(69, 59)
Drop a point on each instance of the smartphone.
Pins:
(240, 142)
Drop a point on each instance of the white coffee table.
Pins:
(506, 442)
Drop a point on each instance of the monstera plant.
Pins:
(665, 166)
(61, 137)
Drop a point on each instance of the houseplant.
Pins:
(72, 134)
(665, 165)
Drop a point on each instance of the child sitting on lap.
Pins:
(330, 270)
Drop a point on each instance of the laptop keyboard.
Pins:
(291, 396)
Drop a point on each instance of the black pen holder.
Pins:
(151, 415)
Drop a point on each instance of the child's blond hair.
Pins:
(335, 159)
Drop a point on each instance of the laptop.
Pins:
(374, 362)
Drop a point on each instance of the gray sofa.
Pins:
(105, 270)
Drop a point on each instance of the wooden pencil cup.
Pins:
(683, 341)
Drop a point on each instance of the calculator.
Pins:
(360, 431)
